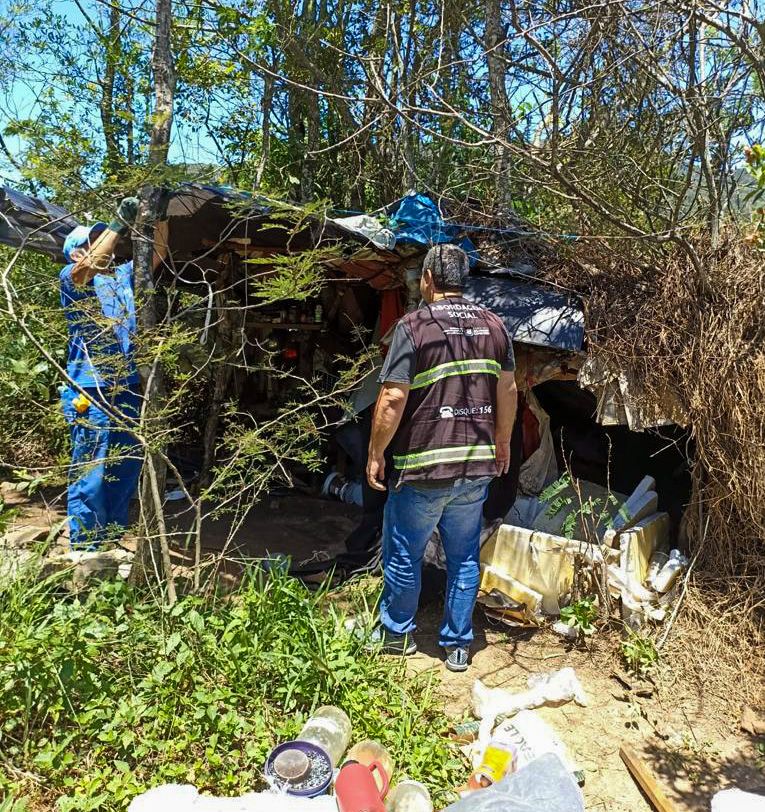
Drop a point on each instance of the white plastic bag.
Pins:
(543, 785)
(544, 689)
(736, 800)
(186, 798)
(532, 737)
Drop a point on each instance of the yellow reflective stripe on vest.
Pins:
(470, 367)
(440, 456)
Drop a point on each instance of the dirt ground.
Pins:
(692, 750)
(690, 741)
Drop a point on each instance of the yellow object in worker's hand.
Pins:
(81, 403)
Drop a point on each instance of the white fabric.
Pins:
(541, 468)
(735, 800)
(186, 798)
(372, 229)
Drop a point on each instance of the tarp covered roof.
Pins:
(533, 314)
(204, 218)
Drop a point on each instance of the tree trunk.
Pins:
(495, 39)
(130, 127)
(152, 542)
(265, 129)
(112, 54)
(223, 369)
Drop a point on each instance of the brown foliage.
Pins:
(693, 337)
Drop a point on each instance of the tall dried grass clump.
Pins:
(692, 336)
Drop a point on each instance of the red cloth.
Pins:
(530, 425)
(391, 310)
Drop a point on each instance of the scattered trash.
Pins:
(465, 732)
(498, 760)
(174, 495)
(564, 630)
(532, 737)
(670, 572)
(409, 796)
(532, 566)
(544, 689)
(543, 783)
(292, 765)
(176, 797)
(736, 800)
(369, 752)
(503, 605)
(658, 560)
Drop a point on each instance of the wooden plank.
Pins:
(645, 780)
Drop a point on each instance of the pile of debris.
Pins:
(523, 767)
(529, 569)
(574, 532)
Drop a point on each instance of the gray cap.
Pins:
(449, 266)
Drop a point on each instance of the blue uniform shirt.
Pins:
(101, 322)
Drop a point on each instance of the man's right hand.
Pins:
(127, 211)
(376, 472)
(502, 456)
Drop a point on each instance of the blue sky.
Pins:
(20, 100)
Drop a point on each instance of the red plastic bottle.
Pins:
(356, 789)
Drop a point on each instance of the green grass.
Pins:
(104, 696)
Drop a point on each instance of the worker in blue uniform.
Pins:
(102, 399)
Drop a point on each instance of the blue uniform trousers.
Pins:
(411, 516)
(105, 467)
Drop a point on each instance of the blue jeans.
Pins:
(105, 467)
(411, 516)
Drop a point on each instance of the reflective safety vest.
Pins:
(447, 429)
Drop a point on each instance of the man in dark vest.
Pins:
(447, 404)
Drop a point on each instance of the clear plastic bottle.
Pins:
(330, 728)
(670, 572)
(370, 751)
(409, 796)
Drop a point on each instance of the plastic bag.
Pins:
(544, 689)
(736, 800)
(543, 785)
(531, 737)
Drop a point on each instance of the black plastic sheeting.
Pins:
(28, 222)
(533, 314)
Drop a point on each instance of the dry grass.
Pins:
(694, 340)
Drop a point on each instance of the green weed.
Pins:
(581, 615)
(104, 696)
(13, 805)
(639, 653)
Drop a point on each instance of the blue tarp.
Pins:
(417, 219)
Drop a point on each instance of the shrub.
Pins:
(104, 696)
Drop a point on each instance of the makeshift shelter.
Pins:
(574, 415)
